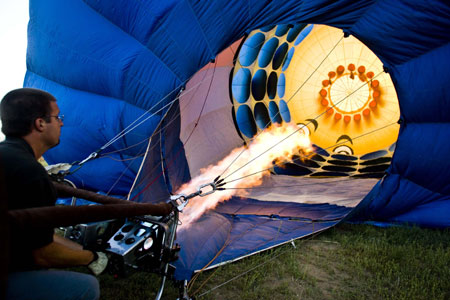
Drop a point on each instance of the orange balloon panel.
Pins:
(339, 84)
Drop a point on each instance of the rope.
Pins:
(131, 126)
(121, 175)
(127, 129)
(204, 104)
(304, 156)
(193, 129)
(125, 159)
(196, 291)
(196, 86)
(227, 242)
(126, 148)
(301, 86)
(300, 128)
(265, 261)
(285, 186)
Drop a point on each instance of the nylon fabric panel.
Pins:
(137, 18)
(235, 236)
(73, 55)
(201, 243)
(95, 114)
(174, 154)
(246, 206)
(433, 214)
(123, 68)
(176, 51)
(422, 156)
(208, 135)
(150, 186)
(399, 195)
(251, 234)
(422, 86)
(397, 31)
(342, 13)
(148, 83)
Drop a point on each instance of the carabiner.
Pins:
(179, 201)
(213, 189)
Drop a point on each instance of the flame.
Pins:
(275, 144)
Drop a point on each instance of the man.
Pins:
(31, 122)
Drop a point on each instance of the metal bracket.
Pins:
(91, 156)
(181, 200)
(203, 194)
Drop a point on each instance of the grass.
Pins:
(345, 262)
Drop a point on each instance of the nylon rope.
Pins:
(294, 185)
(193, 129)
(301, 86)
(203, 106)
(135, 157)
(127, 130)
(264, 222)
(303, 156)
(161, 128)
(123, 173)
(132, 126)
(265, 261)
(204, 78)
(295, 131)
(226, 243)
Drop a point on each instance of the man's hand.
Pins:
(99, 264)
(60, 255)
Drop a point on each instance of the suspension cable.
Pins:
(184, 143)
(193, 129)
(265, 261)
(290, 98)
(203, 106)
(295, 131)
(305, 156)
(127, 130)
(295, 185)
(131, 126)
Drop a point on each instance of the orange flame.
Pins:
(283, 142)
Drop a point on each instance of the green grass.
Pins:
(346, 262)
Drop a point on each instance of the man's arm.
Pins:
(62, 253)
(66, 242)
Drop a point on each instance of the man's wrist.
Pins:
(95, 256)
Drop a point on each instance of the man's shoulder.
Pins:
(16, 159)
(14, 147)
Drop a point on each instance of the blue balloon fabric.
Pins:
(110, 63)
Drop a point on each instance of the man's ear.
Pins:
(39, 124)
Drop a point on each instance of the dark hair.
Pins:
(21, 107)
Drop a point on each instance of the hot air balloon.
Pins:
(126, 76)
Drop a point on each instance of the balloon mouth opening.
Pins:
(334, 87)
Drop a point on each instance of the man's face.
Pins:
(53, 127)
